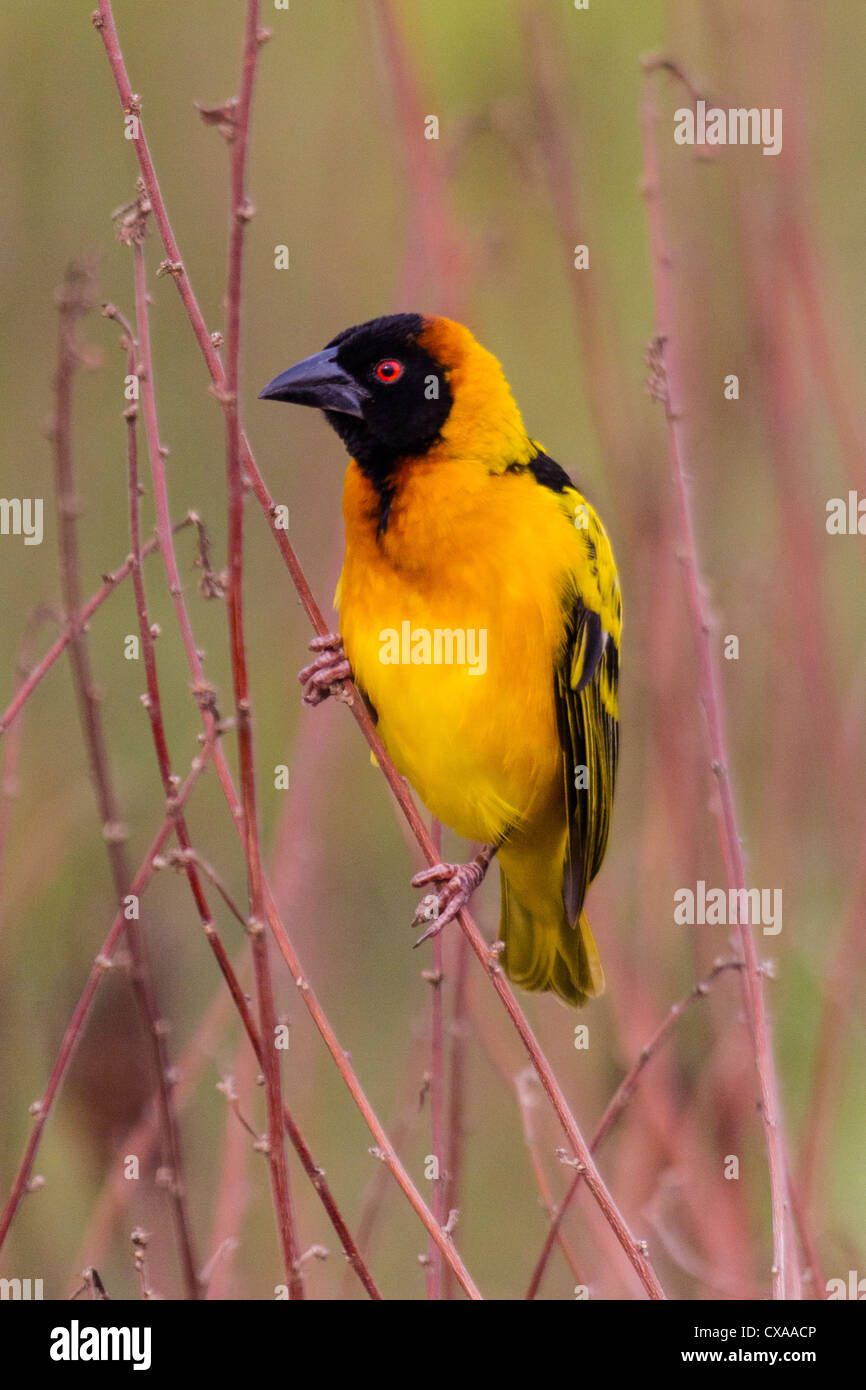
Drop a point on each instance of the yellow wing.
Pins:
(586, 679)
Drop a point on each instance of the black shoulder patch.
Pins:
(549, 473)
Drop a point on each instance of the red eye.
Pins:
(389, 370)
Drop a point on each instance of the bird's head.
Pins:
(395, 387)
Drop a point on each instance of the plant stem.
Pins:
(635, 1251)
(42, 1108)
(436, 979)
(72, 303)
(619, 1100)
(239, 215)
(666, 365)
(384, 1150)
(77, 623)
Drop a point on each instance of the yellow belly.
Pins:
(477, 739)
(470, 740)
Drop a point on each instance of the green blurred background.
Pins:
(766, 252)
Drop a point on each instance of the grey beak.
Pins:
(318, 381)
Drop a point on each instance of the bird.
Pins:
(480, 618)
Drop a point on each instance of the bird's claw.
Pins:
(325, 675)
(438, 909)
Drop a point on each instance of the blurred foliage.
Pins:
(328, 176)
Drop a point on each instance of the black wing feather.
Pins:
(589, 735)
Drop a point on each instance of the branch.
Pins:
(42, 1108)
(635, 1251)
(402, 1125)
(605, 392)
(456, 1130)
(240, 212)
(619, 1100)
(132, 231)
(77, 623)
(187, 858)
(667, 384)
(525, 1084)
(436, 261)
(23, 669)
(141, 1138)
(384, 1150)
(436, 979)
(73, 302)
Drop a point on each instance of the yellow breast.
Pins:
(452, 620)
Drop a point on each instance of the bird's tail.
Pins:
(543, 949)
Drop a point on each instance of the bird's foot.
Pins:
(325, 675)
(459, 882)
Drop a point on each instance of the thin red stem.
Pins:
(599, 374)
(141, 1139)
(9, 774)
(455, 1132)
(436, 979)
(148, 401)
(77, 623)
(102, 963)
(635, 1251)
(617, 1103)
(73, 301)
(667, 365)
(527, 1099)
(188, 859)
(264, 985)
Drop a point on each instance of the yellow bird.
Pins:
(480, 617)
